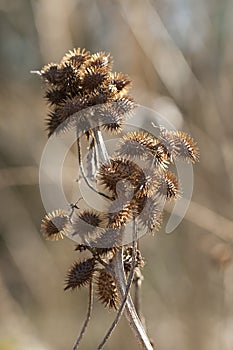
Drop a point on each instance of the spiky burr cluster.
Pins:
(81, 81)
(83, 93)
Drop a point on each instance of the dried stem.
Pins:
(137, 294)
(102, 154)
(89, 310)
(117, 264)
(137, 297)
(130, 312)
(83, 173)
(127, 290)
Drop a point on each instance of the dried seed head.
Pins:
(82, 80)
(146, 183)
(122, 82)
(80, 274)
(167, 142)
(67, 114)
(187, 147)
(86, 224)
(106, 289)
(55, 225)
(101, 60)
(77, 57)
(167, 185)
(180, 145)
(143, 145)
(118, 170)
(52, 74)
(92, 78)
(149, 214)
(128, 259)
(136, 145)
(108, 241)
(110, 118)
(56, 96)
(121, 211)
(125, 105)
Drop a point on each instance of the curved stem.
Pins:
(89, 310)
(130, 312)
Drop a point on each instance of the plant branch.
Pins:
(83, 173)
(101, 154)
(127, 290)
(130, 312)
(89, 310)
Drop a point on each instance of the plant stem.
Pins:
(130, 312)
(89, 310)
(127, 290)
(83, 173)
(102, 154)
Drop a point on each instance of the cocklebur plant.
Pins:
(86, 96)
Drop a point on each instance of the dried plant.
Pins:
(83, 93)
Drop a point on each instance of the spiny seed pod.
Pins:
(166, 139)
(66, 114)
(110, 118)
(167, 185)
(56, 96)
(109, 241)
(77, 57)
(149, 214)
(161, 156)
(82, 80)
(101, 60)
(55, 225)
(122, 82)
(187, 147)
(128, 259)
(180, 145)
(120, 212)
(147, 183)
(92, 78)
(80, 274)
(143, 145)
(137, 145)
(106, 289)
(125, 105)
(51, 74)
(113, 114)
(86, 224)
(117, 170)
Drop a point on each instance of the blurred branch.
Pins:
(207, 219)
(160, 49)
(52, 22)
(17, 176)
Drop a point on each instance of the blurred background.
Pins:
(179, 54)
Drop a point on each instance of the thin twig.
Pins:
(101, 154)
(137, 291)
(84, 175)
(127, 290)
(137, 294)
(89, 310)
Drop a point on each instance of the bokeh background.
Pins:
(179, 54)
